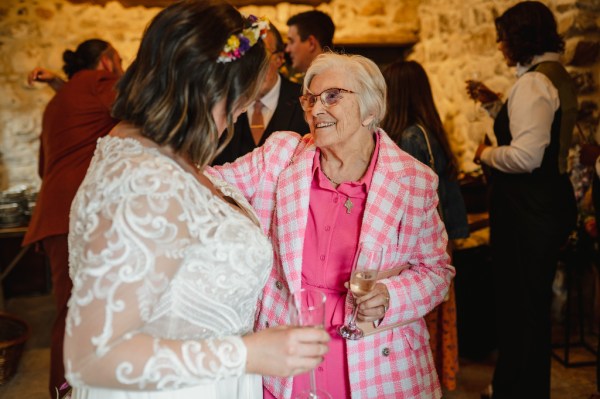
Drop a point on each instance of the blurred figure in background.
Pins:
(310, 33)
(532, 204)
(279, 107)
(73, 121)
(589, 156)
(413, 122)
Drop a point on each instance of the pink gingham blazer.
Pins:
(400, 214)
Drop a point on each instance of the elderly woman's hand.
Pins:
(374, 305)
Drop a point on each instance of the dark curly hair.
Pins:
(86, 56)
(172, 86)
(528, 29)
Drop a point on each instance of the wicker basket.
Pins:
(13, 334)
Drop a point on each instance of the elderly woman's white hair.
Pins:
(365, 79)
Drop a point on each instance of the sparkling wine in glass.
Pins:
(367, 262)
(307, 309)
(362, 282)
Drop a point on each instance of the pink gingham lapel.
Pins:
(386, 201)
(292, 198)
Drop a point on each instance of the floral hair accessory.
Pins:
(239, 43)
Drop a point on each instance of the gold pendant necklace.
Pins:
(349, 205)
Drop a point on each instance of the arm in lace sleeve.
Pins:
(128, 240)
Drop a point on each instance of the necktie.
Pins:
(257, 124)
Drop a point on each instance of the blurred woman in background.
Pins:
(414, 123)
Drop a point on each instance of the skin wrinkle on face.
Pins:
(345, 114)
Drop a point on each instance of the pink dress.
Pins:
(330, 242)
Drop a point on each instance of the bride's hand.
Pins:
(285, 351)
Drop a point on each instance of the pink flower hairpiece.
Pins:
(239, 43)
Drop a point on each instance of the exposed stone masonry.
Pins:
(455, 41)
(458, 42)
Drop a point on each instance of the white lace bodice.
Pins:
(166, 275)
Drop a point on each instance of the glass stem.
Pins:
(313, 384)
(352, 322)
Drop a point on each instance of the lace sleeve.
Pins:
(133, 231)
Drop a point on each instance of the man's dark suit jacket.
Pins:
(287, 116)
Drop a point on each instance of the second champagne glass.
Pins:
(307, 309)
(474, 87)
(367, 262)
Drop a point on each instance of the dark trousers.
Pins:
(56, 249)
(596, 200)
(525, 255)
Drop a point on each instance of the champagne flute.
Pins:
(475, 88)
(307, 309)
(367, 262)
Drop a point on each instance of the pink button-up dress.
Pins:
(330, 243)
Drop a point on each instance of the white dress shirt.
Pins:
(532, 102)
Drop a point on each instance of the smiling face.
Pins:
(338, 125)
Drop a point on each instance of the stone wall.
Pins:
(456, 42)
(36, 32)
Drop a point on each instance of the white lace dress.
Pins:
(166, 278)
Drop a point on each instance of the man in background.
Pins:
(310, 33)
(277, 107)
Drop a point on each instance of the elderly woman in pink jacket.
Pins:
(317, 198)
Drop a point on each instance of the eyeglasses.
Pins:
(329, 98)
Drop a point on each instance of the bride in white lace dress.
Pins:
(167, 265)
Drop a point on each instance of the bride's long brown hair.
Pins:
(172, 86)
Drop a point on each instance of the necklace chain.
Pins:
(348, 204)
(329, 178)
